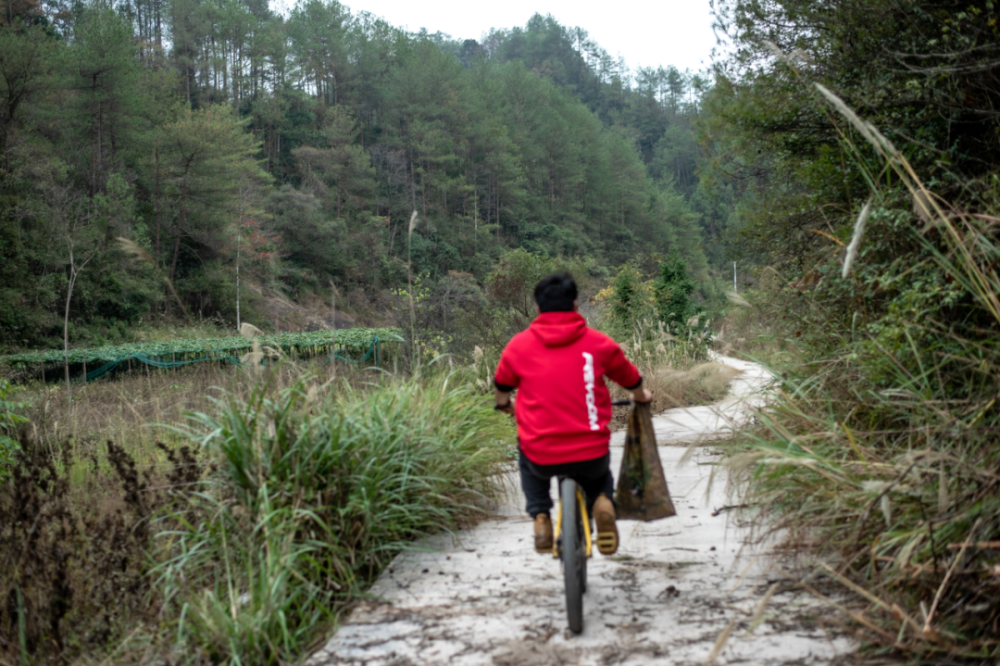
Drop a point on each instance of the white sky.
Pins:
(648, 34)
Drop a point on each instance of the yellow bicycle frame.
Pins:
(587, 537)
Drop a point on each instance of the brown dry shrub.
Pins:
(74, 554)
(702, 384)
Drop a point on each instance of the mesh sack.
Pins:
(642, 492)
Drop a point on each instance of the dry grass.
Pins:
(674, 371)
(74, 551)
(702, 384)
(127, 409)
(750, 328)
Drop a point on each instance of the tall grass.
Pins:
(126, 409)
(317, 491)
(879, 455)
(302, 490)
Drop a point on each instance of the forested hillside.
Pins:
(216, 135)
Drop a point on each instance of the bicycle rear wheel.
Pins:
(574, 559)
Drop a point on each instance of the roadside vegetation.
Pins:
(173, 170)
(868, 138)
(231, 513)
(242, 538)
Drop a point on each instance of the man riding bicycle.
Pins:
(563, 407)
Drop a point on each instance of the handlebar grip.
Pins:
(621, 403)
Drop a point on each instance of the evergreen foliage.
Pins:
(327, 129)
(628, 304)
(922, 73)
(673, 289)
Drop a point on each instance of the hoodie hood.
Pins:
(558, 329)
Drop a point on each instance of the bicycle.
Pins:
(573, 543)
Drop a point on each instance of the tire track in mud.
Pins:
(484, 597)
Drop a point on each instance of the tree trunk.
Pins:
(69, 298)
(552, 192)
(182, 213)
(489, 198)
(225, 70)
(159, 203)
(237, 76)
(238, 239)
(423, 189)
(142, 35)
(100, 148)
(177, 251)
(413, 181)
(623, 203)
(6, 144)
(93, 146)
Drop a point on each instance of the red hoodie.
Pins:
(563, 407)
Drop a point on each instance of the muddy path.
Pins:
(485, 597)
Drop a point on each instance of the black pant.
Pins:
(594, 476)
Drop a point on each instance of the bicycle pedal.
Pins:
(607, 543)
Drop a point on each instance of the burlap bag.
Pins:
(642, 492)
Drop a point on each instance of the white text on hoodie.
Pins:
(588, 383)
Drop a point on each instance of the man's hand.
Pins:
(642, 394)
(505, 403)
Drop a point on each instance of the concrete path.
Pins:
(486, 598)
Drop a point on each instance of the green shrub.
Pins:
(631, 301)
(511, 283)
(673, 290)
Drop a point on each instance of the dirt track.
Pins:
(675, 585)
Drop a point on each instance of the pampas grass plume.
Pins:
(859, 232)
(133, 248)
(248, 330)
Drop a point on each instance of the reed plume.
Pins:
(137, 252)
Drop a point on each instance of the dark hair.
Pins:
(556, 293)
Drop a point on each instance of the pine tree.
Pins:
(103, 69)
(207, 154)
(341, 174)
(673, 289)
(25, 60)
